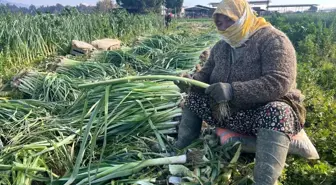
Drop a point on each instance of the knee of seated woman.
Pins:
(279, 108)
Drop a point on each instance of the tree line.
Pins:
(133, 6)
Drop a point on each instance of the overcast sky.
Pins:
(186, 2)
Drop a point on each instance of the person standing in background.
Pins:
(168, 19)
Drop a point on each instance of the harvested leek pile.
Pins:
(90, 123)
(123, 59)
(159, 53)
(153, 46)
(48, 87)
(110, 116)
(87, 70)
(174, 55)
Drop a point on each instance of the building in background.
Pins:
(260, 7)
(182, 13)
(332, 9)
(163, 10)
(199, 11)
(259, 4)
(293, 8)
(265, 7)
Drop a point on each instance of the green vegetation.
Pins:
(143, 6)
(54, 131)
(69, 132)
(26, 39)
(314, 36)
(175, 5)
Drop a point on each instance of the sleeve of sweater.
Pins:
(278, 60)
(204, 74)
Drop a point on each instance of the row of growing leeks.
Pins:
(106, 133)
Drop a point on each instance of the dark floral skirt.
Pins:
(276, 115)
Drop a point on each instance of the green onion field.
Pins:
(111, 117)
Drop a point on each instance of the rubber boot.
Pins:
(271, 153)
(189, 129)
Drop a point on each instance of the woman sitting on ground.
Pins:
(253, 71)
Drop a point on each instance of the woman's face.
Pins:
(223, 22)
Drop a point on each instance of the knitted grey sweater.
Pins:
(264, 72)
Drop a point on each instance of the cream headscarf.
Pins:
(246, 22)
